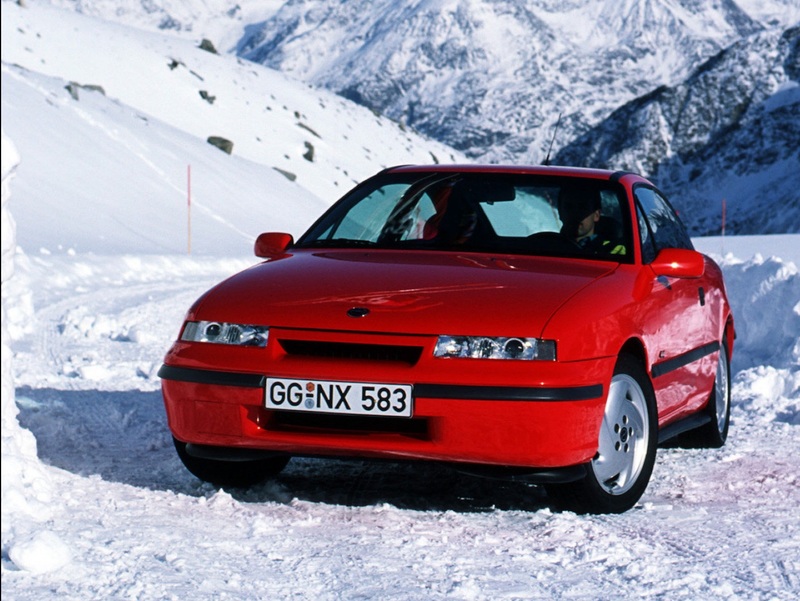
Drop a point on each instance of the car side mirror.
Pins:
(272, 245)
(679, 263)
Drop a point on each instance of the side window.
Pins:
(659, 226)
(645, 239)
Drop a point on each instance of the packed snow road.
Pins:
(131, 522)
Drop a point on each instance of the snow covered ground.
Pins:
(95, 503)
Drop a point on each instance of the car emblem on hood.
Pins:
(358, 312)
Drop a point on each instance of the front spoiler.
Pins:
(559, 475)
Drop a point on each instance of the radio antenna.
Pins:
(549, 148)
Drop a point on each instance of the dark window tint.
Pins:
(659, 226)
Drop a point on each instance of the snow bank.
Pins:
(27, 491)
(765, 298)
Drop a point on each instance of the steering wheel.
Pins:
(554, 241)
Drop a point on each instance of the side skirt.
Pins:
(691, 422)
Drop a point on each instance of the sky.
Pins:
(98, 271)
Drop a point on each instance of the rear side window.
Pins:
(659, 225)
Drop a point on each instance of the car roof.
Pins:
(581, 172)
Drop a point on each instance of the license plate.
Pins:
(321, 396)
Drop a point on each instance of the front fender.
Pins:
(599, 320)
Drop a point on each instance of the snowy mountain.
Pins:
(493, 77)
(490, 78)
(730, 131)
(114, 85)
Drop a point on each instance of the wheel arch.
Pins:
(729, 332)
(636, 348)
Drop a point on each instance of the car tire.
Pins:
(236, 474)
(619, 473)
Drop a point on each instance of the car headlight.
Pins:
(225, 333)
(484, 347)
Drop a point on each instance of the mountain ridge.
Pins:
(491, 78)
(736, 117)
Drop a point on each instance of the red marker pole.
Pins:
(189, 208)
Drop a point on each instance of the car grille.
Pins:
(352, 351)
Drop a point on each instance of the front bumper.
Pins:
(549, 422)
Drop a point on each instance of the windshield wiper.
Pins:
(339, 243)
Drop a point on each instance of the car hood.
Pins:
(405, 292)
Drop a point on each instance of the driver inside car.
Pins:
(580, 213)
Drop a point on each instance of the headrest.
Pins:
(576, 203)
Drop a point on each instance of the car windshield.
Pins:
(483, 212)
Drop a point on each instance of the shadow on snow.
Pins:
(122, 436)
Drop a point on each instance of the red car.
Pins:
(539, 323)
